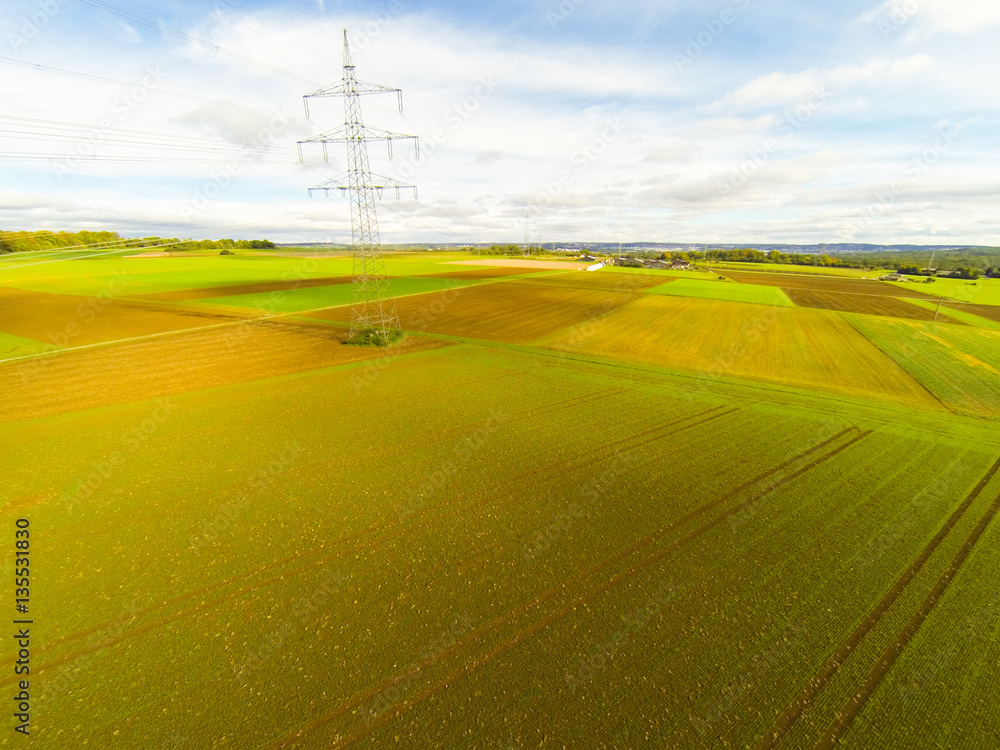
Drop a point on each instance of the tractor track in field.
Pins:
(808, 694)
(571, 606)
(884, 664)
(370, 531)
(375, 535)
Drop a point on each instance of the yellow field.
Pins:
(791, 346)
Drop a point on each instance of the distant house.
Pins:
(586, 259)
(892, 277)
(679, 265)
(629, 263)
(655, 264)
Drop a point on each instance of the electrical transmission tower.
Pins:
(373, 313)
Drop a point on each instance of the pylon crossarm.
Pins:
(361, 88)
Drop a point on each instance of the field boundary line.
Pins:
(555, 616)
(900, 366)
(807, 695)
(885, 662)
(581, 576)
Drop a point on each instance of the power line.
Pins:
(129, 15)
(111, 81)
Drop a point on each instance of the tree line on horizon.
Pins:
(963, 263)
(18, 242)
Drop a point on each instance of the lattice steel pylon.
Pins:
(374, 320)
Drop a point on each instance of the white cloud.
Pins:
(779, 89)
(918, 19)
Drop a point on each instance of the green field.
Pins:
(959, 365)
(980, 292)
(850, 273)
(731, 292)
(297, 300)
(569, 510)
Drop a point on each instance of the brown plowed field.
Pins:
(826, 284)
(67, 320)
(990, 312)
(862, 303)
(165, 365)
(512, 312)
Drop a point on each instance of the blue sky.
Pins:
(729, 121)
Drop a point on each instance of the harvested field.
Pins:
(510, 312)
(187, 295)
(866, 304)
(813, 284)
(788, 345)
(176, 363)
(65, 320)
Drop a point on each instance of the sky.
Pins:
(728, 121)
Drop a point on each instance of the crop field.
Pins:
(568, 510)
(786, 268)
(507, 311)
(989, 312)
(957, 313)
(816, 284)
(867, 304)
(980, 292)
(63, 320)
(753, 293)
(959, 365)
(779, 344)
